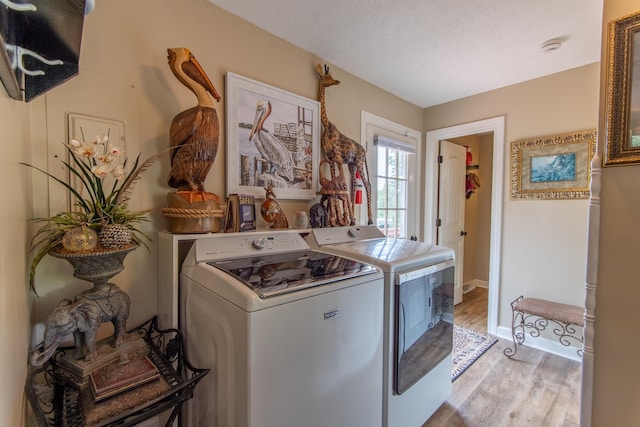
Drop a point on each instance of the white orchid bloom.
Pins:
(85, 150)
(101, 171)
(115, 151)
(100, 140)
(119, 172)
(105, 159)
(74, 143)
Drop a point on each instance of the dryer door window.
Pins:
(423, 323)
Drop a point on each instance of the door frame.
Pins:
(495, 125)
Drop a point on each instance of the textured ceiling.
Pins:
(429, 52)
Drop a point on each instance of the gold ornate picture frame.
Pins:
(552, 167)
(623, 92)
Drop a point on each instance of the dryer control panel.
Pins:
(353, 233)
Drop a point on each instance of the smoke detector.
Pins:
(551, 45)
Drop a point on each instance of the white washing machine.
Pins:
(293, 337)
(418, 317)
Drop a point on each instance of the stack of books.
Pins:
(116, 378)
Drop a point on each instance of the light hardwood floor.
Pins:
(471, 313)
(532, 389)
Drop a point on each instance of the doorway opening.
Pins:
(496, 127)
(474, 263)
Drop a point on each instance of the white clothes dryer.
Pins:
(293, 336)
(418, 317)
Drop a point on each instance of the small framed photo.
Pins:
(272, 140)
(554, 167)
(241, 213)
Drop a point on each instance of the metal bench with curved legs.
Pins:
(535, 314)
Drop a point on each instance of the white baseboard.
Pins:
(480, 283)
(475, 283)
(544, 344)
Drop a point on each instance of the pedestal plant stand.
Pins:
(83, 315)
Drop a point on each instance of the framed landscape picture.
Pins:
(272, 140)
(555, 167)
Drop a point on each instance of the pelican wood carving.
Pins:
(194, 132)
(340, 148)
(193, 138)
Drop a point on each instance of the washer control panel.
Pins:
(235, 245)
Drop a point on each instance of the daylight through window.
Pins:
(392, 191)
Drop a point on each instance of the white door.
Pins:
(451, 206)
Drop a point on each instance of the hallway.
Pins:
(471, 313)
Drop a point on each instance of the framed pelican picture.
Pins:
(273, 140)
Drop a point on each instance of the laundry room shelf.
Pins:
(60, 398)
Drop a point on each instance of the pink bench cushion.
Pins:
(569, 314)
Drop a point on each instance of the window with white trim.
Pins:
(392, 185)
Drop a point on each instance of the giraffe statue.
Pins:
(340, 148)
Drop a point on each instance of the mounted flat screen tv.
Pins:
(42, 44)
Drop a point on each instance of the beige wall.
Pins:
(617, 342)
(14, 297)
(543, 242)
(471, 216)
(484, 207)
(124, 75)
(124, 72)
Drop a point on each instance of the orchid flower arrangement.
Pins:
(96, 203)
(91, 163)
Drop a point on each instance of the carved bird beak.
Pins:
(184, 65)
(201, 77)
